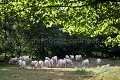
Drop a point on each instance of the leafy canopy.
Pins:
(89, 18)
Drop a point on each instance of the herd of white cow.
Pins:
(53, 62)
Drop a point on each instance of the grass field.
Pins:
(12, 72)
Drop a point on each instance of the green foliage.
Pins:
(76, 16)
(22, 21)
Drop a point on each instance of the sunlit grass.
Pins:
(112, 73)
(83, 72)
(12, 72)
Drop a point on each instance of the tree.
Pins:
(91, 19)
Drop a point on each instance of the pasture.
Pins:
(13, 72)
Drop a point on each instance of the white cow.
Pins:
(51, 63)
(61, 63)
(78, 57)
(40, 64)
(72, 57)
(68, 61)
(13, 60)
(23, 64)
(67, 57)
(54, 58)
(25, 58)
(47, 58)
(106, 66)
(20, 63)
(34, 64)
(98, 61)
(85, 63)
(47, 63)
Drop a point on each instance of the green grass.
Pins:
(112, 73)
(83, 72)
(12, 72)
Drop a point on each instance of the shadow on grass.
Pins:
(6, 65)
(13, 72)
